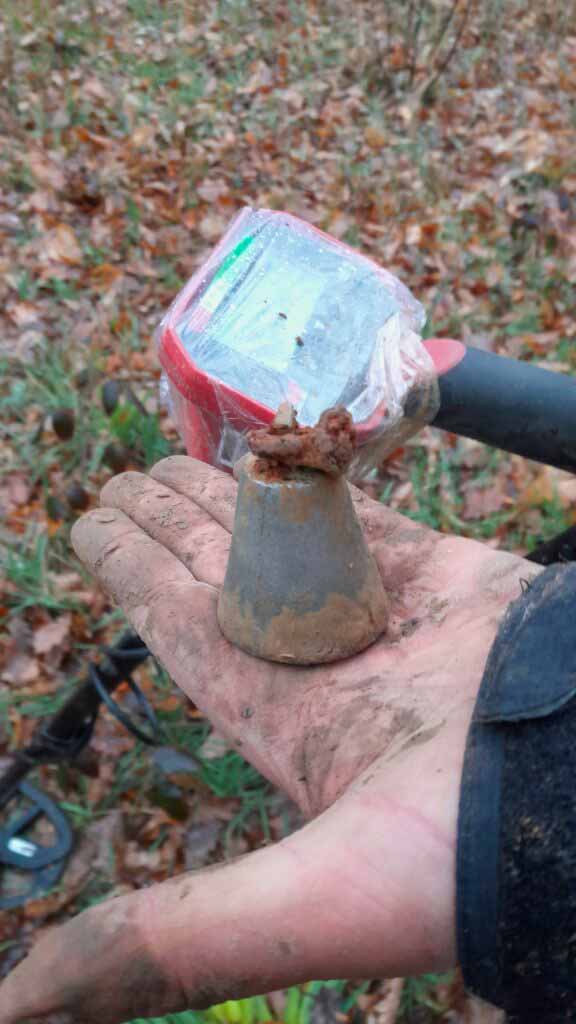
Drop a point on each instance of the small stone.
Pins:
(285, 418)
(110, 396)
(77, 496)
(63, 423)
(116, 456)
(171, 761)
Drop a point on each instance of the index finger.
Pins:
(215, 492)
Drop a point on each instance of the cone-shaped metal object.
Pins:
(301, 585)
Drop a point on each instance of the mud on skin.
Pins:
(137, 984)
(127, 979)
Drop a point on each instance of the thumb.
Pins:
(323, 903)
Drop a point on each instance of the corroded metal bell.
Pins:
(301, 586)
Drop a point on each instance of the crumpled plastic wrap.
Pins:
(283, 312)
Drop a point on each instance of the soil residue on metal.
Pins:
(340, 628)
(284, 445)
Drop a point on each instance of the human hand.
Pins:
(371, 748)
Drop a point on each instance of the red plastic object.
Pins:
(204, 404)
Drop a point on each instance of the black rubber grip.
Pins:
(512, 405)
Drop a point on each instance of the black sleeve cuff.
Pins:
(516, 859)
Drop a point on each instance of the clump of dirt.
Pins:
(328, 447)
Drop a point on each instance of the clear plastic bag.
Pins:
(283, 312)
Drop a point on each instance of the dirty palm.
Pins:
(370, 748)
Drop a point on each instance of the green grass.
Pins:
(40, 390)
(419, 992)
(429, 481)
(436, 481)
(553, 519)
(140, 432)
(299, 1004)
(30, 568)
(142, 788)
(228, 777)
(29, 397)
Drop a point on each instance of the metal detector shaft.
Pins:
(64, 735)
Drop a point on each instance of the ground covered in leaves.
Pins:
(438, 138)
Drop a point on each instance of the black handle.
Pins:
(511, 405)
(64, 735)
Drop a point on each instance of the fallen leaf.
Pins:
(24, 313)
(18, 489)
(188, 34)
(293, 98)
(134, 857)
(43, 201)
(139, 361)
(20, 632)
(260, 79)
(77, 872)
(413, 234)
(140, 269)
(94, 89)
(464, 1008)
(386, 1009)
(374, 137)
(214, 746)
(64, 582)
(98, 141)
(212, 189)
(105, 833)
(406, 112)
(339, 223)
(402, 494)
(482, 501)
(539, 490)
(189, 218)
(106, 275)
(61, 246)
(46, 172)
(567, 492)
(54, 635)
(478, 1012)
(199, 842)
(21, 670)
(10, 222)
(29, 38)
(113, 364)
(212, 226)
(143, 135)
